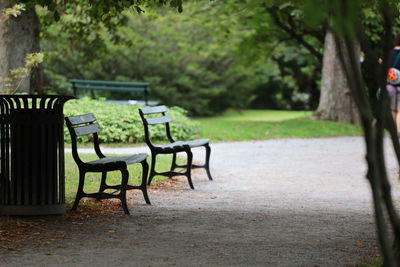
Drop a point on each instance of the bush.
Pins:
(122, 123)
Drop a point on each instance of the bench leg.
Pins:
(153, 166)
(207, 165)
(173, 164)
(103, 184)
(122, 194)
(79, 193)
(189, 168)
(143, 186)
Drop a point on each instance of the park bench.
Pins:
(157, 115)
(86, 125)
(141, 88)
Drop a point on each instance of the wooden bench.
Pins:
(157, 115)
(86, 125)
(106, 86)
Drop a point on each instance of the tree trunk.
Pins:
(18, 37)
(336, 103)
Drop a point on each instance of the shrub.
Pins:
(122, 123)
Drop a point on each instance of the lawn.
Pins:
(263, 115)
(268, 124)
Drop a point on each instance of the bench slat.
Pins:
(112, 88)
(153, 110)
(158, 120)
(96, 82)
(81, 119)
(87, 129)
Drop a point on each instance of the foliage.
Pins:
(282, 46)
(12, 83)
(290, 48)
(292, 43)
(14, 11)
(292, 81)
(185, 56)
(122, 123)
(282, 51)
(101, 10)
(279, 73)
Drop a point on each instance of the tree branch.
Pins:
(291, 32)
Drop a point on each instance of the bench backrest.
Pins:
(81, 125)
(155, 116)
(130, 87)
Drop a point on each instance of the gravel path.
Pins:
(287, 202)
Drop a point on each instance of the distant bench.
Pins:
(128, 87)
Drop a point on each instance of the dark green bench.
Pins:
(106, 86)
(152, 116)
(86, 124)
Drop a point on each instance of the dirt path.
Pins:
(289, 202)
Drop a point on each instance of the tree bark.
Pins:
(18, 37)
(336, 103)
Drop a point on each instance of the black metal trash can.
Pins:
(32, 154)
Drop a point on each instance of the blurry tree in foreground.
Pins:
(349, 33)
(336, 102)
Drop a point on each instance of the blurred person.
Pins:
(394, 89)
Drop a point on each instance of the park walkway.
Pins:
(286, 202)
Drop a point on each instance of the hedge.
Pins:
(122, 123)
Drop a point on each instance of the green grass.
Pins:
(268, 124)
(374, 262)
(92, 181)
(263, 115)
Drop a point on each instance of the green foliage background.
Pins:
(188, 58)
(214, 56)
(201, 64)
